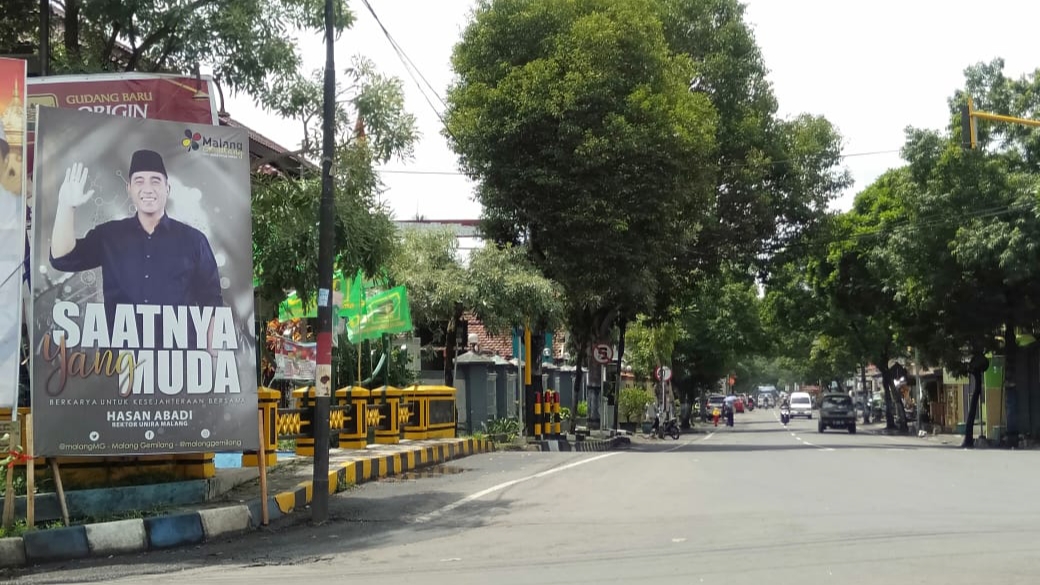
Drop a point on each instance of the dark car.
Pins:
(837, 412)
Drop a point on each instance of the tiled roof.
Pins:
(502, 345)
(262, 147)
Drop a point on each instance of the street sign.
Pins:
(663, 373)
(603, 353)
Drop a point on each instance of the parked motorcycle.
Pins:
(671, 428)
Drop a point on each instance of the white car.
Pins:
(801, 405)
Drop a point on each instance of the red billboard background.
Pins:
(136, 95)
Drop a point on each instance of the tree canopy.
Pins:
(498, 285)
(247, 43)
(578, 124)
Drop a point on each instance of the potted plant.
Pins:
(581, 416)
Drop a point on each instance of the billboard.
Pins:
(12, 224)
(142, 289)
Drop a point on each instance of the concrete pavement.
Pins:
(759, 503)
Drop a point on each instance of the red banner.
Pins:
(174, 98)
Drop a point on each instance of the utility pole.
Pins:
(920, 392)
(866, 394)
(326, 242)
(45, 36)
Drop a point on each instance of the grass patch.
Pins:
(127, 515)
(21, 528)
(287, 445)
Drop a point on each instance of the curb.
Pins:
(162, 532)
(564, 445)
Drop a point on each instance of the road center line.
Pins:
(432, 515)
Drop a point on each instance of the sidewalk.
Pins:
(290, 488)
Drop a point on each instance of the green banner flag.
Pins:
(384, 312)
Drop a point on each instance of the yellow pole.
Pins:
(527, 356)
(1008, 119)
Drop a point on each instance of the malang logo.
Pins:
(213, 146)
(191, 140)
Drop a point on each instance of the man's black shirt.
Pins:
(174, 265)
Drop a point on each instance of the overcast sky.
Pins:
(872, 68)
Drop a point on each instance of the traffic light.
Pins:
(968, 136)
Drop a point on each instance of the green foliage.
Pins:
(285, 241)
(569, 113)
(648, 346)
(505, 428)
(772, 177)
(632, 403)
(248, 43)
(499, 285)
(508, 290)
(721, 325)
(16, 26)
(396, 372)
(428, 264)
(17, 479)
(582, 409)
(369, 98)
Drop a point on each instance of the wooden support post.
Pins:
(30, 475)
(61, 491)
(262, 459)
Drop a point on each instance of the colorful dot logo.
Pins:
(191, 140)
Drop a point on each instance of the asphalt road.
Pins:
(755, 504)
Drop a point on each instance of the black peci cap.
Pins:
(147, 160)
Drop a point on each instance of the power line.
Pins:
(410, 68)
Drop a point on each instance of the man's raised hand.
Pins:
(72, 189)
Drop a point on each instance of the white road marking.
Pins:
(432, 515)
(678, 540)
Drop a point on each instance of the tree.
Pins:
(650, 346)
(569, 114)
(969, 270)
(856, 277)
(371, 128)
(499, 286)
(720, 325)
(247, 43)
(16, 22)
(772, 178)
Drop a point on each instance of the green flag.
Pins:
(384, 312)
